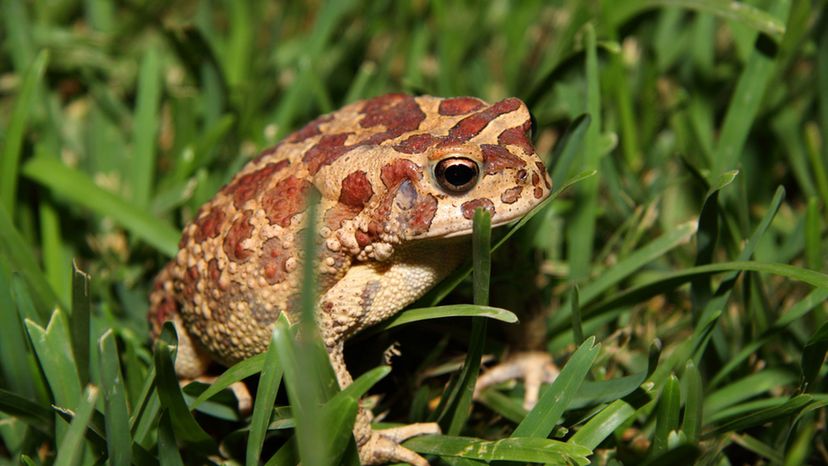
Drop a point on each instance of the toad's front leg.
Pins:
(379, 446)
(366, 295)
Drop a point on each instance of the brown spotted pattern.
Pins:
(285, 200)
(462, 131)
(240, 261)
(469, 207)
(209, 226)
(273, 261)
(250, 186)
(239, 231)
(395, 172)
(511, 195)
(310, 130)
(518, 136)
(356, 190)
(498, 158)
(459, 106)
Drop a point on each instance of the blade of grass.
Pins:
(693, 405)
(142, 160)
(53, 350)
(799, 403)
(19, 258)
(168, 453)
(19, 369)
(53, 254)
(669, 281)
(813, 235)
(184, 426)
(296, 381)
(79, 321)
(118, 438)
(286, 456)
(556, 399)
(240, 44)
(813, 355)
(667, 415)
(241, 370)
(742, 12)
(581, 227)
(523, 449)
(757, 446)
(508, 407)
(364, 382)
(593, 393)
(304, 386)
(812, 142)
(35, 415)
(13, 137)
(95, 432)
(568, 148)
(17, 33)
(143, 423)
(339, 415)
(744, 105)
(722, 292)
(628, 266)
(799, 451)
(77, 188)
(439, 312)
(196, 154)
(707, 238)
(540, 207)
(814, 299)
(263, 406)
(459, 398)
(602, 425)
(23, 300)
(575, 306)
(612, 416)
(72, 447)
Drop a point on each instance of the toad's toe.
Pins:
(383, 446)
(534, 367)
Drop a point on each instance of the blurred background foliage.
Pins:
(702, 227)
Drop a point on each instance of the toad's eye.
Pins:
(456, 174)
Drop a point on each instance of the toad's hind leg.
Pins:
(191, 360)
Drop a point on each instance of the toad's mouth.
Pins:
(468, 231)
(502, 219)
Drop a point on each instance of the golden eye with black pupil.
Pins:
(456, 174)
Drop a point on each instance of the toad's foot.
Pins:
(534, 367)
(383, 446)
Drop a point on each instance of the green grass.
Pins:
(677, 274)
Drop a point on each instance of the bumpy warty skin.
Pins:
(387, 229)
